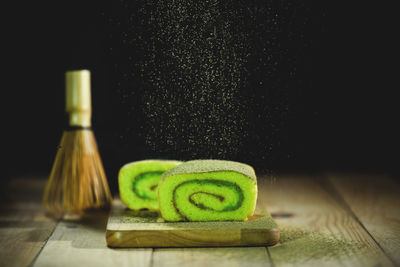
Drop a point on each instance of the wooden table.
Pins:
(358, 217)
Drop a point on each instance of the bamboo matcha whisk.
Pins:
(77, 180)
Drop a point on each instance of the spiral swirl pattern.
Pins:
(206, 195)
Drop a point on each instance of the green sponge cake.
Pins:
(138, 182)
(208, 190)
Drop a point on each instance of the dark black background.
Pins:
(343, 105)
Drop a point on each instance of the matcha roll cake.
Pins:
(138, 182)
(208, 190)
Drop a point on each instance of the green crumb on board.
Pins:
(297, 246)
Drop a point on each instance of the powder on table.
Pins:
(297, 246)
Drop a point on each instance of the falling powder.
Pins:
(203, 79)
(194, 68)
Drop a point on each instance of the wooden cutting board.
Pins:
(127, 228)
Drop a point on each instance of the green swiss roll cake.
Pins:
(208, 190)
(138, 182)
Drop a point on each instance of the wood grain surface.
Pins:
(24, 228)
(82, 243)
(351, 220)
(224, 257)
(375, 202)
(327, 235)
(127, 228)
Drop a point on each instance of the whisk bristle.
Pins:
(77, 180)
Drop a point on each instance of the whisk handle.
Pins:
(78, 98)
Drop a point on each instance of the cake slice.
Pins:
(138, 182)
(208, 190)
